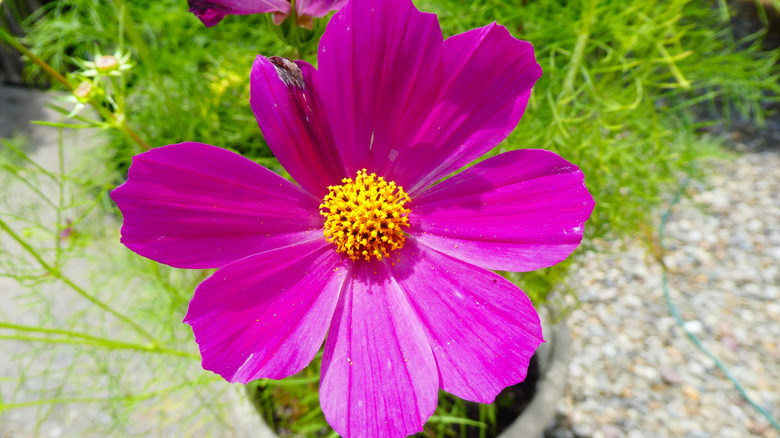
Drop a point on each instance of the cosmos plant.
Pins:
(381, 250)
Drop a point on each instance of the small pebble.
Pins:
(695, 327)
(691, 392)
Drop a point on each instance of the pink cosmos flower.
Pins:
(374, 247)
(212, 12)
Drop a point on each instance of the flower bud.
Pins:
(83, 91)
(106, 63)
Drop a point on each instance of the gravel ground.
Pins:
(634, 372)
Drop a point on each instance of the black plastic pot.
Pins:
(552, 359)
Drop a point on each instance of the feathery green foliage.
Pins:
(627, 87)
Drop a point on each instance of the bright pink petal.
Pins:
(266, 316)
(290, 113)
(518, 211)
(378, 374)
(317, 8)
(487, 81)
(379, 71)
(192, 205)
(212, 12)
(482, 328)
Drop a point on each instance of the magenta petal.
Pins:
(379, 72)
(289, 113)
(211, 12)
(518, 211)
(192, 205)
(317, 8)
(207, 15)
(482, 328)
(378, 374)
(487, 81)
(266, 316)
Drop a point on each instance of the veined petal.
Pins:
(192, 205)
(317, 8)
(211, 12)
(379, 72)
(518, 211)
(378, 373)
(482, 328)
(266, 316)
(487, 80)
(289, 112)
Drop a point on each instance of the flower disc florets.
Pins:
(364, 217)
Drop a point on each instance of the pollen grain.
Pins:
(365, 216)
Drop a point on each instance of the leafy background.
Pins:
(629, 91)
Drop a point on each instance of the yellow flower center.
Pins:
(364, 217)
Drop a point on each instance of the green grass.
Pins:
(627, 87)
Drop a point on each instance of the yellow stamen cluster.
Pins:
(364, 217)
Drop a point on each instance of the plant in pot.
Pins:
(368, 248)
(353, 248)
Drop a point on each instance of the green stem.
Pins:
(106, 343)
(133, 398)
(294, 31)
(41, 63)
(110, 343)
(725, 16)
(27, 328)
(27, 159)
(55, 272)
(61, 197)
(579, 48)
(684, 83)
(144, 55)
(136, 39)
(13, 171)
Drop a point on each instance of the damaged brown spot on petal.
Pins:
(288, 72)
(306, 22)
